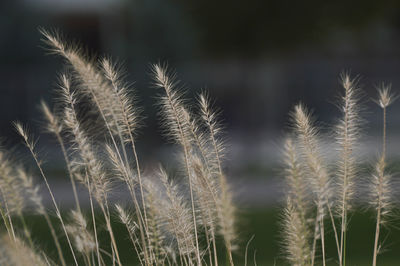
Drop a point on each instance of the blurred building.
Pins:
(257, 58)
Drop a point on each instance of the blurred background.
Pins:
(255, 58)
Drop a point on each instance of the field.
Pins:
(264, 225)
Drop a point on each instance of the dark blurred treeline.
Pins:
(257, 58)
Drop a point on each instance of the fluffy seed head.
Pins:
(347, 133)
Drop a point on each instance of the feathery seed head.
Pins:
(295, 178)
(160, 75)
(347, 133)
(163, 77)
(109, 69)
(24, 133)
(227, 213)
(347, 82)
(53, 39)
(65, 81)
(207, 115)
(119, 168)
(381, 190)
(11, 187)
(204, 104)
(123, 216)
(20, 129)
(310, 152)
(83, 239)
(296, 236)
(53, 124)
(177, 215)
(385, 96)
(32, 191)
(78, 218)
(122, 104)
(302, 119)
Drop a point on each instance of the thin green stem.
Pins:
(384, 133)
(322, 241)
(10, 227)
(6, 223)
(68, 163)
(316, 229)
(93, 220)
(55, 238)
(26, 230)
(344, 239)
(335, 231)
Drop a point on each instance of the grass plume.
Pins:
(381, 187)
(98, 144)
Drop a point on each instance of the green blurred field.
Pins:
(264, 224)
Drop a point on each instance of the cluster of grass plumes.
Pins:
(321, 193)
(168, 223)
